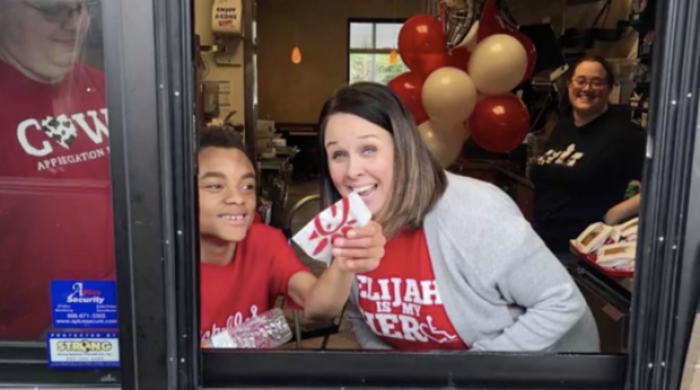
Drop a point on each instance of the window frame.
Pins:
(350, 50)
(660, 332)
(417, 370)
(157, 342)
(149, 84)
(148, 63)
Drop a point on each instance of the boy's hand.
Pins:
(361, 249)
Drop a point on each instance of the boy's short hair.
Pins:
(220, 137)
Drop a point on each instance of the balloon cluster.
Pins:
(465, 91)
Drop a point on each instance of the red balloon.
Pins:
(499, 123)
(489, 22)
(422, 43)
(427, 63)
(459, 58)
(409, 88)
(529, 49)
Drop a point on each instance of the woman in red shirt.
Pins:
(463, 270)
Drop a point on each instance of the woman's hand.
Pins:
(361, 249)
(623, 211)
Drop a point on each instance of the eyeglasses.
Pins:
(581, 82)
(54, 11)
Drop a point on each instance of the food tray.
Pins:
(613, 273)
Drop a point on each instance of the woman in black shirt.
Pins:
(592, 156)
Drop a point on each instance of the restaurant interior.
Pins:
(271, 88)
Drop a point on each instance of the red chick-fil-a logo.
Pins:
(328, 233)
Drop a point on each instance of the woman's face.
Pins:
(589, 88)
(360, 158)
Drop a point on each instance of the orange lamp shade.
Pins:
(393, 57)
(296, 55)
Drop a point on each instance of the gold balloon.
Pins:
(498, 64)
(449, 95)
(444, 143)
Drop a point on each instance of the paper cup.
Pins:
(317, 236)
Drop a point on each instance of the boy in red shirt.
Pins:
(245, 266)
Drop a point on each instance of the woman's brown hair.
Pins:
(418, 179)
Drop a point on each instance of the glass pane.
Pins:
(397, 305)
(361, 36)
(360, 66)
(56, 241)
(388, 35)
(374, 67)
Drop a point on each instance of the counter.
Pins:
(610, 300)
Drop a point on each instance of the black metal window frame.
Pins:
(150, 96)
(665, 307)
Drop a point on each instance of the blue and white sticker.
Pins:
(84, 304)
(83, 350)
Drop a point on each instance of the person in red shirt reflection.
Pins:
(246, 266)
(55, 203)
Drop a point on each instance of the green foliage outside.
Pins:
(361, 68)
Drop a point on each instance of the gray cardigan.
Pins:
(502, 289)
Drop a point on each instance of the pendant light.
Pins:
(296, 52)
(394, 54)
(296, 55)
(393, 57)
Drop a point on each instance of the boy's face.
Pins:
(226, 193)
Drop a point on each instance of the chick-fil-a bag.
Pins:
(317, 236)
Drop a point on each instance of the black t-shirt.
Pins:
(584, 173)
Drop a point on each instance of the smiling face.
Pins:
(226, 193)
(589, 88)
(360, 158)
(42, 38)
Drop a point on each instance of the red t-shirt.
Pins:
(400, 300)
(55, 200)
(260, 271)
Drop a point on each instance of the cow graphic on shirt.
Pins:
(60, 134)
(60, 129)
